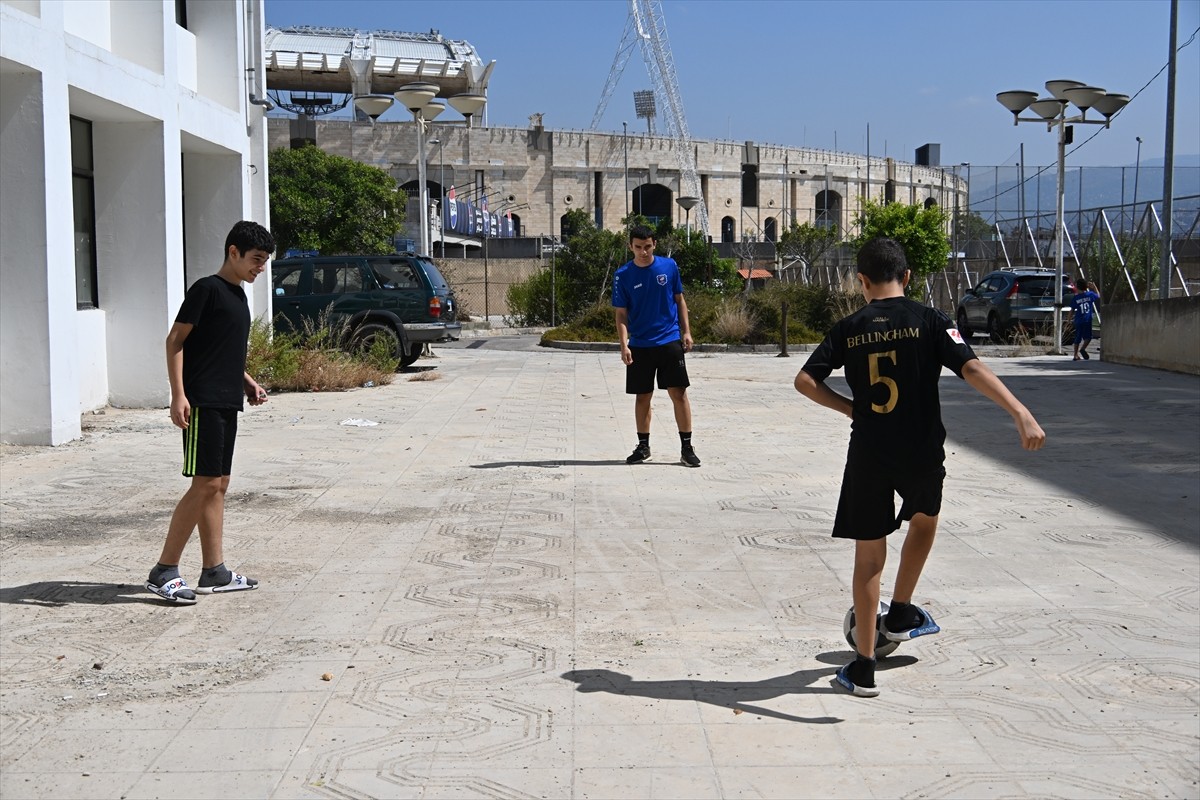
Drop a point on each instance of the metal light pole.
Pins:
(417, 98)
(625, 139)
(1137, 168)
(1052, 111)
(687, 204)
(442, 190)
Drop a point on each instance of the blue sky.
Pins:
(802, 72)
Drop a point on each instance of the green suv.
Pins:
(400, 297)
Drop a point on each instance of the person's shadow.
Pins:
(736, 695)
(57, 594)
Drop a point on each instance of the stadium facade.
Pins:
(536, 175)
(130, 142)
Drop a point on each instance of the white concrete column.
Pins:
(139, 253)
(39, 398)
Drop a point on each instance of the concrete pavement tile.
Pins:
(697, 601)
(204, 785)
(356, 783)
(942, 742)
(752, 744)
(793, 782)
(260, 710)
(923, 779)
(49, 785)
(660, 783)
(638, 746)
(76, 751)
(327, 615)
(490, 782)
(209, 751)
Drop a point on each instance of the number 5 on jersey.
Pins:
(893, 390)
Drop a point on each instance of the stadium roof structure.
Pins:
(348, 61)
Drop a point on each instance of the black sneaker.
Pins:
(640, 453)
(689, 458)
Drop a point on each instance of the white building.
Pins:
(131, 139)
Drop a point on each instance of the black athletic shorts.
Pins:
(208, 442)
(867, 506)
(666, 360)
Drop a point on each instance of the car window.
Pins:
(436, 278)
(1038, 287)
(991, 284)
(287, 280)
(337, 278)
(396, 274)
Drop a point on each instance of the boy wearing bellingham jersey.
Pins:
(1083, 308)
(893, 350)
(652, 323)
(206, 366)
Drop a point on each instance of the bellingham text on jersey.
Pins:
(883, 336)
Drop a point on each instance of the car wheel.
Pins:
(996, 332)
(963, 327)
(366, 336)
(414, 352)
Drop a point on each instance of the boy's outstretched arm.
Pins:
(821, 394)
(984, 381)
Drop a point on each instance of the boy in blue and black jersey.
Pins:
(652, 323)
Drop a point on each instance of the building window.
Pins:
(83, 195)
(750, 185)
(181, 13)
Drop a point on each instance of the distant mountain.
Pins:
(1186, 160)
(994, 191)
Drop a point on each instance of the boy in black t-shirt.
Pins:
(893, 350)
(206, 364)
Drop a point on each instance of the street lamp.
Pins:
(625, 139)
(442, 192)
(687, 204)
(1052, 111)
(418, 98)
(1137, 167)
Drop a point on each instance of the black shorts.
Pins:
(208, 442)
(867, 506)
(666, 360)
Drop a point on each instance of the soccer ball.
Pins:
(883, 645)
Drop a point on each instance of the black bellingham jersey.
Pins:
(893, 351)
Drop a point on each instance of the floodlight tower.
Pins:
(647, 26)
(643, 106)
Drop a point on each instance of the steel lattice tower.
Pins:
(647, 26)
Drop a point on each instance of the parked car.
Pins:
(1010, 300)
(403, 298)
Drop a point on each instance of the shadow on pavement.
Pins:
(56, 594)
(1125, 438)
(727, 694)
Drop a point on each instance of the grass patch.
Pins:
(313, 360)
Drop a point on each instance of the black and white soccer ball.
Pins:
(883, 645)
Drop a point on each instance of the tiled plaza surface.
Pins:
(477, 598)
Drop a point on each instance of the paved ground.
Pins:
(477, 598)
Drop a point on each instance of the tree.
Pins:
(920, 231)
(332, 204)
(805, 244)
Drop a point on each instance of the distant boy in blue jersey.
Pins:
(1083, 308)
(652, 323)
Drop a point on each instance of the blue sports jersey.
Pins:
(648, 296)
(1083, 306)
